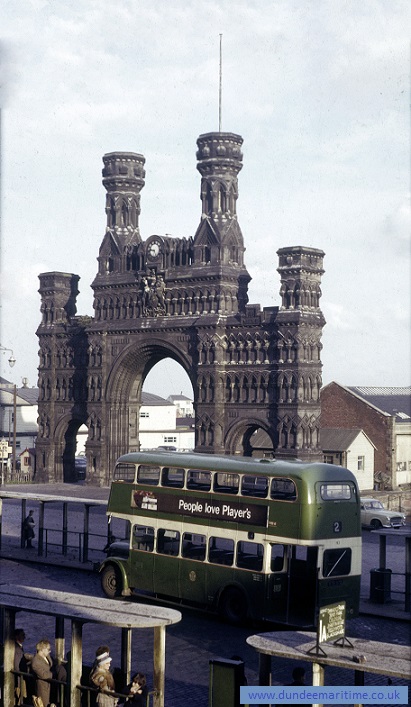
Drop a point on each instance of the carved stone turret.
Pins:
(300, 322)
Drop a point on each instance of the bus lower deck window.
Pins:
(168, 542)
(277, 558)
(194, 546)
(143, 538)
(337, 562)
(250, 555)
(221, 551)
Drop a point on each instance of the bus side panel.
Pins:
(141, 570)
(166, 571)
(193, 581)
(345, 589)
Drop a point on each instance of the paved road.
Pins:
(191, 644)
(198, 638)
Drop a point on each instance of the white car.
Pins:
(374, 515)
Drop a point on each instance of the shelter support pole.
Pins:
(126, 654)
(65, 525)
(41, 529)
(76, 662)
(86, 531)
(159, 672)
(264, 669)
(60, 643)
(407, 574)
(8, 620)
(318, 677)
(23, 515)
(383, 552)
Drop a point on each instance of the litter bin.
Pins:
(380, 585)
(226, 677)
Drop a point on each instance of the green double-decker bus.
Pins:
(265, 539)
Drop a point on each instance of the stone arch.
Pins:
(65, 435)
(238, 436)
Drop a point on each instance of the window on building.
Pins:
(170, 439)
(360, 463)
(144, 414)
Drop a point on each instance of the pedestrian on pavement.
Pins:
(102, 678)
(28, 530)
(42, 667)
(137, 691)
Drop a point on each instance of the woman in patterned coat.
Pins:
(103, 679)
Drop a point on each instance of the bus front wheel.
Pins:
(111, 581)
(233, 605)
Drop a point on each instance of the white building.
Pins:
(184, 405)
(352, 449)
(25, 401)
(160, 424)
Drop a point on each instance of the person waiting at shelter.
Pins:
(298, 676)
(102, 678)
(42, 668)
(22, 662)
(137, 691)
(28, 530)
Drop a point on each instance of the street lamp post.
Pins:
(12, 361)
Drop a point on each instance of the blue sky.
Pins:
(320, 93)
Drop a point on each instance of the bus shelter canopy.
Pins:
(86, 608)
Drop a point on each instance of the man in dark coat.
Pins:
(28, 530)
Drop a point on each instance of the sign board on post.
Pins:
(331, 626)
(5, 448)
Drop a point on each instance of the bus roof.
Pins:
(238, 464)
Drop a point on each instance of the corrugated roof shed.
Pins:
(389, 400)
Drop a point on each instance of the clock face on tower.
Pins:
(154, 249)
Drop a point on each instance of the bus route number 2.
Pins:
(337, 526)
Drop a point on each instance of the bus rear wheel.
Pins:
(111, 582)
(233, 605)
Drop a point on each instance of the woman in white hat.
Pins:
(103, 679)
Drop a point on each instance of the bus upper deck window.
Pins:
(124, 472)
(198, 480)
(148, 475)
(283, 489)
(172, 477)
(335, 492)
(256, 486)
(225, 482)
